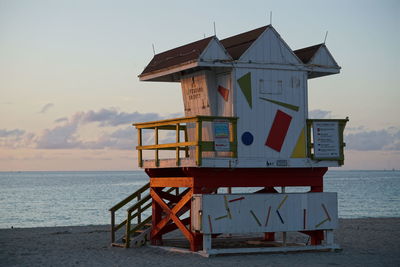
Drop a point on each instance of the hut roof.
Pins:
(306, 54)
(177, 56)
(235, 46)
(238, 44)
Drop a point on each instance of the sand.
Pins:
(365, 242)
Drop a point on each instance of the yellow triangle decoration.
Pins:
(299, 150)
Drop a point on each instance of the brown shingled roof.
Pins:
(306, 54)
(177, 56)
(238, 44)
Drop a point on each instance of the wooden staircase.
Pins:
(136, 234)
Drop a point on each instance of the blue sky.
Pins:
(68, 73)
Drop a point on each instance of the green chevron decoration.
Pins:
(286, 105)
(245, 84)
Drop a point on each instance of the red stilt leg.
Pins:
(269, 236)
(156, 240)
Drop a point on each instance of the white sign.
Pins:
(326, 140)
(221, 136)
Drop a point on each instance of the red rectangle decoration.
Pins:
(278, 131)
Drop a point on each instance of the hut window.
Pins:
(295, 82)
(270, 87)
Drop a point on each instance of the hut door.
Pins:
(224, 94)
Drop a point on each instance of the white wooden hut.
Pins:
(258, 79)
(246, 125)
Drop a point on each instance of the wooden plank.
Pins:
(152, 124)
(269, 249)
(170, 145)
(171, 182)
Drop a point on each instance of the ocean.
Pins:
(41, 199)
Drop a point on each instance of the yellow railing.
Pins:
(178, 125)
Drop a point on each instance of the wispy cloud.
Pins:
(386, 139)
(319, 114)
(63, 119)
(112, 117)
(16, 138)
(122, 135)
(59, 137)
(46, 107)
(8, 133)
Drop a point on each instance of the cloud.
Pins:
(8, 133)
(46, 107)
(63, 119)
(122, 135)
(60, 137)
(319, 114)
(386, 139)
(121, 139)
(16, 138)
(112, 117)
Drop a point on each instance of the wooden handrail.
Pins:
(140, 206)
(129, 198)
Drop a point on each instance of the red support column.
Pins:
(269, 236)
(316, 236)
(156, 240)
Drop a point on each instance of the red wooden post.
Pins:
(156, 240)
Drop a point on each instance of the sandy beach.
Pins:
(364, 242)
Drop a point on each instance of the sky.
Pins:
(69, 90)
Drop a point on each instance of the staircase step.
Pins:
(120, 245)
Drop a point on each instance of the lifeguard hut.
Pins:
(246, 125)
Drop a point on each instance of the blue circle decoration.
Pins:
(247, 138)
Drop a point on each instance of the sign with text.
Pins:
(326, 140)
(221, 136)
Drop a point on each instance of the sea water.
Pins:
(37, 199)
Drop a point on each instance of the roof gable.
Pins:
(177, 56)
(323, 58)
(306, 54)
(319, 59)
(269, 47)
(238, 44)
(214, 51)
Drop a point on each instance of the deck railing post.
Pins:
(186, 140)
(177, 144)
(112, 226)
(156, 143)
(199, 133)
(128, 230)
(140, 152)
(139, 212)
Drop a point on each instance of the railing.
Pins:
(197, 141)
(138, 214)
(331, 141)
(135, 211)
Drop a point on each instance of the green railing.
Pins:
(333, 124)
(180, 124)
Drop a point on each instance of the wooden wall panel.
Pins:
(258, 213)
